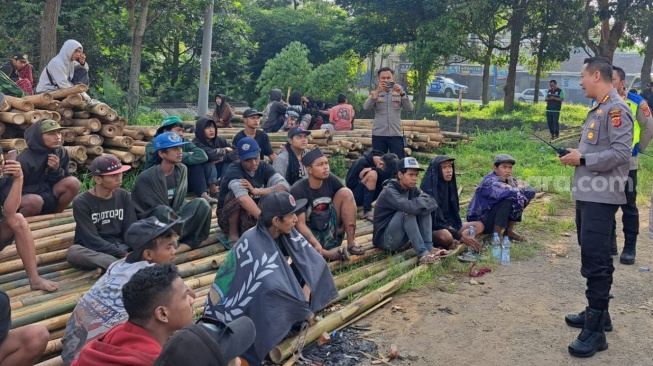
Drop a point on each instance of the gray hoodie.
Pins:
(61, 69)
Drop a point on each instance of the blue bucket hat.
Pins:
(166, 140)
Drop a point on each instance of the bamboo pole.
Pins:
(333, 320)
(13, 118)
(72, 101)
(55, 116)
(100, 109)
(135, 135)
(94, 150)
(147, 130)
(110, 131)
(9, 144)
(2, 128)
(81, 114)
(30, 116)
(39, 98)
(119, 141)
(19, 103)
(76, 152)
(124, 156)
(92, 123)
(5, 106)
(82, 131)
(137, 150)
(92, 140)
(63, 93)
(16, 264)
(68, 135)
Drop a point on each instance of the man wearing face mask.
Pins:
(388, 100)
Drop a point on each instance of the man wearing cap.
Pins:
(500, 199)
(403, 213)
(366, 176)
(49, 187)
(102, 216)
(252, 119)
(160, 191)
(439, 181)
(642, 133)
(388, 100)
(244, 183)
(158, 304)
(601, 172)
(13, 226)
(19, 71)
(288, 162)
(272, 276)
(102, 307)
(193, 157)
(331, 209)
(210, 342)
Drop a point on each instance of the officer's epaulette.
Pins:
(606, 98)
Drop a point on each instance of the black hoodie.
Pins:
(365, 161)
(273, 111)
(38, 177)
(447, 215)
(215, 148)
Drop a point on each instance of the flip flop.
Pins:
(356, 250)
(441, 252)
(429, 258)
(226, 243)
(468, 258)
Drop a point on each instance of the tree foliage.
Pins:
(288, 69)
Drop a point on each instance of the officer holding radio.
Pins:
(388, 100)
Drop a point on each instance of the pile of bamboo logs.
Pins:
(89, 129)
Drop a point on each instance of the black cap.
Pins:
(504, 158)
(208, 343)
(251, 112)
(311, 156)
(20, 56)
(298, 129)
(279, 203)
(141, 232)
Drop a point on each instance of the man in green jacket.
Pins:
(193, 158)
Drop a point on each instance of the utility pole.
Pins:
(205, 72)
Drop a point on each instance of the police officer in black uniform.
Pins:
(601, 171)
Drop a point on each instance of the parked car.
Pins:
(528, 95)
(446, 86)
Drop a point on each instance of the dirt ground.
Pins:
(515, 315)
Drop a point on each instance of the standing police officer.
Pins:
(642, 134)
(601, 162)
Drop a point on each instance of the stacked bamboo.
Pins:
(89, 129)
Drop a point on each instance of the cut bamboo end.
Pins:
(5, 106)
(72, 167)
(92, 140)
(68, 135)
(13, 118)
(94, 150)
(135, 135)
(147, 130)
(100, 109)
(9, 144)
(119, 141)
(82, 131)
(19, 103)
(124, 156)
(92, 123)
(81, 114)
(72, 100)
(110, 131)
(137, 150)
(63, 93)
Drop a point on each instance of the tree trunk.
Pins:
(135, 65)
(487, 59)
(372, 70)
(48, 46)
(420, 95)
(175, 62)
(516, 28)
(648, 59)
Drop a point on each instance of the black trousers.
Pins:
(594, 222)
(498, 215)
(552, 120)
(630, 217)
(393, 144)
(196, 179)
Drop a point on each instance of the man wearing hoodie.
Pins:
(403, 213)
(216, 148)
(158, 304)
(366, 176)
(274, 112)
(439, 182)
(102, 307)
(59, 72)
(48, 186)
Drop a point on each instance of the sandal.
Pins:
(440, 252)
(468, 257)
(428, 258)
(517, 237)
(356, 250)
(369, 216)
(226, 243)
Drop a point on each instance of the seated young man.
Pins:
(23, 346)
(245, 182)
(366, 175)
(439, 181)
(288, 162)
(210, 342)
(102, 307)
(216, 148)
(286, 289)
(330, 212)
(160, 191)
(403, 213)
(193, 157)
(103, 214)
(158, 304)
(500, 199)
(14, 227)
(48, 186)
(252, 120)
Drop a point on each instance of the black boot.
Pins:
(628, 254)
(578, 320)
(592, 338)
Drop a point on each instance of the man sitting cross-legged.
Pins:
(500, 200)
(403, 213)
(158, 304)
(13, 225)
(330, 212)
(244, 183)
(102, 307)
(23, 346)
(102, 216)
(440, 182)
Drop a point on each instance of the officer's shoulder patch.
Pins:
(645, 109)
(615, 116)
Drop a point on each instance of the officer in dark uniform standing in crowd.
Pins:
(601, 170)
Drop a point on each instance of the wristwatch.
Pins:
(582, 160)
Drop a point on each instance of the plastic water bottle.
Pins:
(472, 234)
(505, 251)
(496, 246)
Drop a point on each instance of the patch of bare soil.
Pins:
(515, 315)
